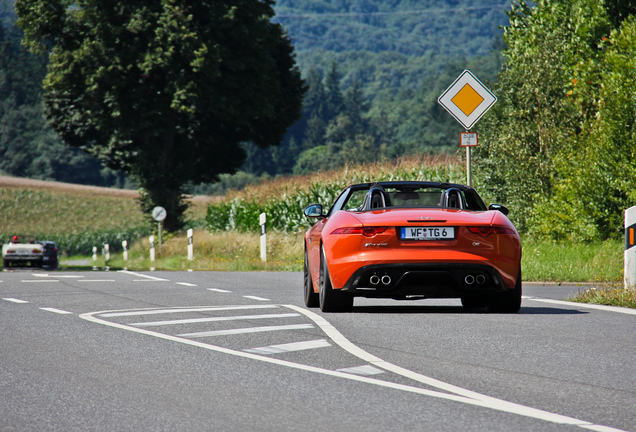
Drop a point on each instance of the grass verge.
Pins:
(610, 293)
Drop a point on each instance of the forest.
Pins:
(373, 72)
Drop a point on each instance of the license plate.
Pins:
(427, 233)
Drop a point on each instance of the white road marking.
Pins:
(186, 284)
(39, 280)
(474, 399)
(57, 276)
(246, 330)
(362, 370)
(212, 319)
(290, 347)
(15, 300)
(256, 298)
(180, 310)
(141, 275)
(616, 309)
(97, 280)
(219, 290)
(57, 311)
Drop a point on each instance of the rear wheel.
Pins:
(509, 302)
(311, 298)
(331, 300)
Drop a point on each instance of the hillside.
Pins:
(374, 70)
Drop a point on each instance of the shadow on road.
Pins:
(460, 310)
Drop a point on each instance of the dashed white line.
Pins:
(15, 300)
(39, 280)
(290, 347)
(141, 275)
(213, 319)
(97, 280)
(186, 284)
(256, 298)
(57, 311)
(219, 290)
(246, 330)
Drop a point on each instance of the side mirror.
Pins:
(498, 207)
(314, 211)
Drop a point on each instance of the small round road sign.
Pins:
(159, 213)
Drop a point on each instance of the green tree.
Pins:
(165, 90)
(597, 179)
(534, 120)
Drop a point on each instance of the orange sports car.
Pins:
(412, 240)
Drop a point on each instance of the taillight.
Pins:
(365, 231)
(485, 231)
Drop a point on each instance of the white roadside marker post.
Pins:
(94, 257)
(190, 246)
(629, 272)
(107, 255)
(152, 251)
(124, 245)
(263, 221)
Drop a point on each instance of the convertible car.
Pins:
(412, 240)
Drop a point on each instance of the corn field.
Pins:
(284, 204)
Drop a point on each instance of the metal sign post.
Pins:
(159, 214)
(467, 100)
(468, 140)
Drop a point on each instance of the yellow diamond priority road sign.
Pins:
(467, 99)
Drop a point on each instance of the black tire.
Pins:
(474, 302)
(331, 300)
(312, 299)
(5, 263)
(509, 302)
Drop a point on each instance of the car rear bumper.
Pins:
(430, 280)
(22, 257)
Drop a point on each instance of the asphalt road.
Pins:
(203, 351)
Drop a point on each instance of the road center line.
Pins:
(481, 400)
(154, 278)
(15, 300)
(39, 280)
(256, 298)
(57, 276)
